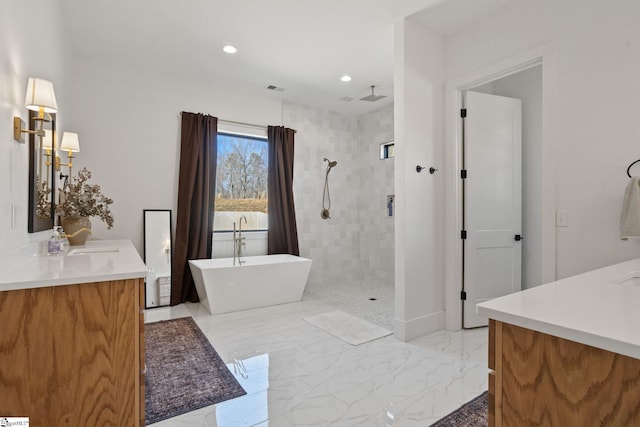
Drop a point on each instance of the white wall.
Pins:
(418, 229)
(596, 114)
(527, 86)
(32, 44)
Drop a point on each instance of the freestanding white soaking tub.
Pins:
(260, 281)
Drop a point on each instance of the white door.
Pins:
(492, 201)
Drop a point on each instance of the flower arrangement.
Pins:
(79, 199)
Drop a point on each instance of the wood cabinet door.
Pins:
(542, 380)
(69, 355)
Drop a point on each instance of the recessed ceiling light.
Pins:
(345, 78)
(229, 49)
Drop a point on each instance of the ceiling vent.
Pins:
(373, 97)
(276, 88)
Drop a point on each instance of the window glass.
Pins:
(241, 182)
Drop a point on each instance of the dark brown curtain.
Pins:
(283, 232)
(196, 195)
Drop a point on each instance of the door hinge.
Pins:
(517, 237)
(463, 112)
(463, 295)
(463, 174)
(463, 234)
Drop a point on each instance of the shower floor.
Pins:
(369, 301)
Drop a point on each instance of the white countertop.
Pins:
(97, 261)
(600, 308)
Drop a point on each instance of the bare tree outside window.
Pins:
(241, 182)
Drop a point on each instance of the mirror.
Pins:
(158, 246)
(42, 173)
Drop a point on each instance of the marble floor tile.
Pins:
(368, 300)
(298, 375)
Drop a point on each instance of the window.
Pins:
(241, 182)
(387, 150)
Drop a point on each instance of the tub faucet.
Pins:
(241, 243)
(238, 241)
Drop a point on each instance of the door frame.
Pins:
(545, 56)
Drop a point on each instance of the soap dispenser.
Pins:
(55, 245)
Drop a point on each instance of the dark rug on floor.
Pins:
(184, 372)
(471, 414)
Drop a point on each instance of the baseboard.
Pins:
(415, 328)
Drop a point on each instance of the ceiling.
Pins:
(302, 46)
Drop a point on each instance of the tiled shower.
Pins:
(353, 252)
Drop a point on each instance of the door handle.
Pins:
(518, 237)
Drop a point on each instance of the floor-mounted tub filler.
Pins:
(260, 281)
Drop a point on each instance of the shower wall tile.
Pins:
(357, 243)
(332, 244)
(376, 181)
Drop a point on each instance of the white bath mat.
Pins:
(348, 328)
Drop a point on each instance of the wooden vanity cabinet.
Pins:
(542, 380)
(73, 355)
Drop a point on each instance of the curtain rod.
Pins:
(234, 122)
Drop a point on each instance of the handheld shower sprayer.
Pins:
(326, 197)
(330, 164)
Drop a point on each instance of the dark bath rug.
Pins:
(184, 372)
(471, 414)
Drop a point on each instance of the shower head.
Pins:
(373, 97)
(330, 164)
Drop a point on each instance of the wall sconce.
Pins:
(70, 144)
(41, 98)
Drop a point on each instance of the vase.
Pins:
(76, 229)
